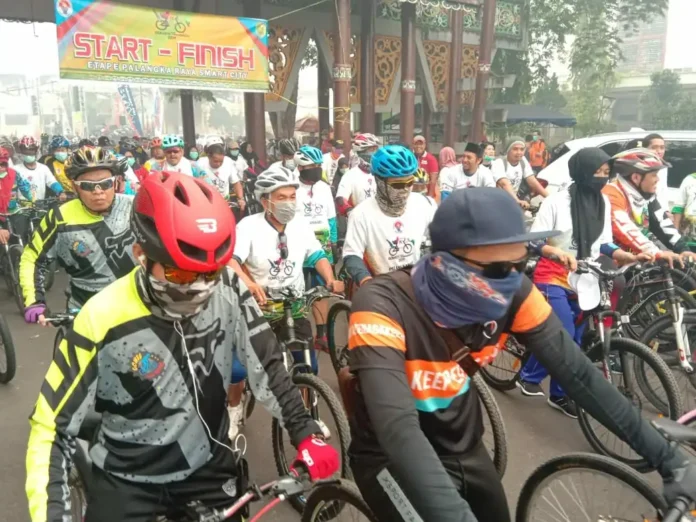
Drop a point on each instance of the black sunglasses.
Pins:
(499, 269)
(91, 186)
(283, 245)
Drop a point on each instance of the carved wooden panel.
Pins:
(438, 56)
(469, 70)
(387, 62)
(283, 45)
(353, 61)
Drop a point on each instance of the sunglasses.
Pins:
(172, 151)
(401, 184)
(499, 269)
(186, 277)
(283, 245)
(91, 186)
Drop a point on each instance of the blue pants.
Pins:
(567, 310)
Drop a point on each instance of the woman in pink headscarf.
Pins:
(448, 162)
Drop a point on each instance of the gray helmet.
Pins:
(288, 147)
(275, 177)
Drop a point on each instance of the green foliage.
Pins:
(665, 105)
(311, 56)
(220, 117)
(548, 94)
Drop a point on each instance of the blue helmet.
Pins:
(308, 156)
(58, 142)
(394, 161)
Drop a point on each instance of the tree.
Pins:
(549, 95)
(665, 105)
(220, 118)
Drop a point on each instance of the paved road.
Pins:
(535, 432)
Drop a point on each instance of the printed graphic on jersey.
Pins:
(435, 384)
(373, 329)
(468, 280)
(202, 345)
(281, 269)
(398, 227)
(400, 246)
(147, 365)
(80, 249)
(312, 209)
(117, 247)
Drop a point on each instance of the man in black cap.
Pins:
(470, 174)
(416, 338)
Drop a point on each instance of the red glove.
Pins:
(320, 459)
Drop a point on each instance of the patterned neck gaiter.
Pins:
(391, 201)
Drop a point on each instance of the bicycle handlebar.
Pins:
(586, 266)
(679, 508)
(289, 294)
(60, 319)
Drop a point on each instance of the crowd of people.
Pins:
(176, 312)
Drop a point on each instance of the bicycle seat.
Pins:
(674, 431)
(89, 427)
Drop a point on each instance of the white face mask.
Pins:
(283, 211)
(290, 164)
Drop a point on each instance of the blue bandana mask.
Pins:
(455, 294)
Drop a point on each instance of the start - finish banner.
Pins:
(106, 41)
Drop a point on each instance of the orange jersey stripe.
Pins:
(435, 379)
(533, 311)
(373, 329)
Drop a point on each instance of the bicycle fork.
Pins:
(683, 348)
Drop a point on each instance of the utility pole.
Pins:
(484, 70)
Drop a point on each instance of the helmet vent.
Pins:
(192, 251)
(180, 194)
(222, 249)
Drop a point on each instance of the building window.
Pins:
(652, 52)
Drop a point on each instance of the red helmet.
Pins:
(637, 161)
(156, 142)
(4, 155)
(28, 143)
(183, 222)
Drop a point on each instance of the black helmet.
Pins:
(82, 161)
(288, 147)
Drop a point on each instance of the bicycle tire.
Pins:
(500, 452)
(78, 496)
(60, 335)
(664, 323)
(9, 350)
(687, 300)
(15, 255)
(343, 493)
(340, 423)
(672, 410)
(585, 461)
(50, 274)
(338, 358)
(505, 385)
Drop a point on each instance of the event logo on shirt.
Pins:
(202, 345)
(147, 365)
(401, 245)
(117, 247)
(281, 266)
(80, 248)
(398, 226)
(313, 209)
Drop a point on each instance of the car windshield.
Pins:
(558, 151)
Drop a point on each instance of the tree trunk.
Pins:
(290, 115)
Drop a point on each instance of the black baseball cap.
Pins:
(479, 217)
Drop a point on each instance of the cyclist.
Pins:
(6, 143)
(470, 173)
(11, 185)
(156, 153)
(420, 183)
(157, 367)
(192, 153)
(510, 171)
(105, 143)
(358, 184)
(427, 162)
(86, 143)
(273, 246)
(287, 149)
(636, 215)
(330, 160)
(38, 175)
(223, 172)
(90, 236)
(488, 148)
(59, 147)
(414, 395)
(582, 215)
(174, 159)
(385, 233)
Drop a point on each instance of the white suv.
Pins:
(681, 153)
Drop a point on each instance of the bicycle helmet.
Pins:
(86, 143)
(28, 143)
(171, 141)
(421, 177)
(58, 142)
(637, 161)
(308, 156)
(272, 179)
(288, 147)
(87, 160)
(214, 140)
(365, 141)
(394, 161)
(183, 222)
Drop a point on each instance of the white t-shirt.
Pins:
(686, 198)
(39, 178)
(515, 173)
(241, 165)
(453, 178)
(257, 247)
(330, 166)
(184, 167)
(130, 175)
(356, 186)
(388, 243)
(554, 214)
(223, 177)
(315, 204)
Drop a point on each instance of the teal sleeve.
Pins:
(443, 196)
(56, 187)
(333, 230)
(315, 258)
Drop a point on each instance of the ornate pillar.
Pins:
(455, 73)
(368, 13)
(426, 120)
(323, 87)
(407, 113)
(485, 51)
(254, 102)
(342, 74)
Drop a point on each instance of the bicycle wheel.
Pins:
(613, 492)
(339, 502)
(494, 437)
(660, 336)
(330, 417)
(50, 274)
(503, 373)
(668, 403)
(78, 496)
(337, 333)
(8, 361)
(15, 255)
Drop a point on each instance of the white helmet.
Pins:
(365, 141)
(214, 140)
(273, 178)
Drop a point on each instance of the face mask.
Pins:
(488, 159)
(180, 301)
(391, 201)
(289, 164)
(284, 211)
(311, 175)
(131, 162)
(234, 153)
(598, 183)
(194, 155)
(3, 174)
(366, 156)
(342, 171)
(61, 156)
(29, 159)
(455, 294)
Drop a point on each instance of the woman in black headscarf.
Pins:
(581, 215)
(247, 152)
